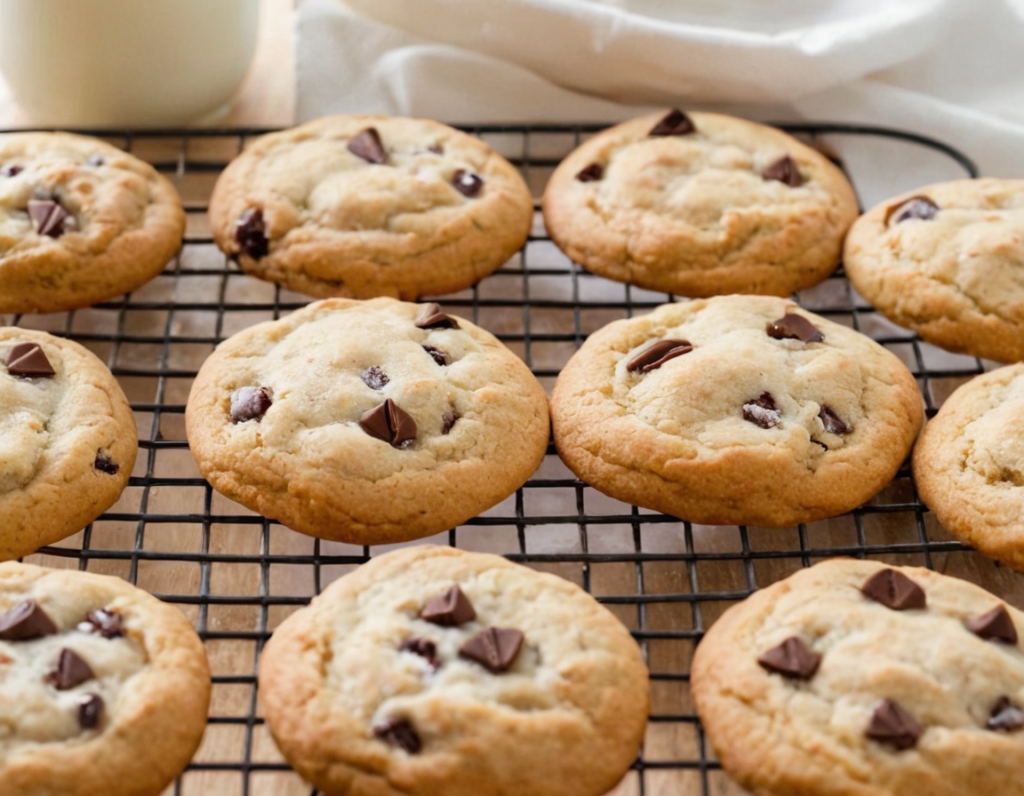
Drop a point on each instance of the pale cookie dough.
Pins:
(969, 464)
(367, 422)
(67, 440)
(365, 206)
(700, 206)
(81, 221)
(854, 679)
(103, 689)
(735, 410)
(948, 262)
(365, 694)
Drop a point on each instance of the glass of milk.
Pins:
(125, 63)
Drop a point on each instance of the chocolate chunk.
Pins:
(439, 356)
(399, 732)
(448, 420)
(105, 464)
(375, 378)
(390, 423)
(792, 658)
(48, 217)
(674, 123)
(654, 356)
(71, 671)
(784, 170)
(592, 173)
(761, 411)
(26, 621)
(28, 359)
(423, 647)
(792, 326)
(109, 624)
(1006, 717)
(249, 403)
(894, 590)
(893, 725)
(11, 170)
(467, 183)
(495, 648)
(95, 160)
(367, 145)
(996, 624)
(90, 709)
(251, 233)
(920, 207)
(450, 609)
(832, 422)
(433, 318)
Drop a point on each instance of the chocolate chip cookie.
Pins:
(735, 410)
(700, 204)
(948, 262)
(80, 221)
(430, 670)
(366, 206)
(853, 677)
(367, 422)
(103, 688)
(969, 464)
(67, 440)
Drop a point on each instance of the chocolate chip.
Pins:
(48, 217)
(832, 422)
(761, 411)
(654, 356)
(95, 160)
(919, 207)
(592, 173)
(893, 725)
(399, 732)
(423, 647)
(90, 709)
(996, 624)
(105, 464)
(467, 183)
(792, 658)
(894, 590)
(494, 648)
(437, 149)
(71, 671)
(251, 233)
(793, 326)
(375, 378)
(367, 145)
(450, 609)
(439, 356)
(1006, 717)
(26, 621)
(674, 123)
(11, 170)
(390, 423)
(448, 420)
(28, 359)
(249, 403)
(433, 318)
(784, 170)
(109, 624)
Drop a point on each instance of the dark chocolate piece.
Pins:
(399, 732)
(48, 217)
(439, 356)
(761, 411)
(996, 624)
(423, 647)
(893, 725)
(390, 423)
(784, 170)
(1006, 717)
(249, 403)
(374, 378)
(495, 648)
(450, 609)
(26, 621)
(792, 659)
(675, 122)
(95, 160)
(654, 356)
(28, 359)
(90, 710)
(368, 146)
(467, 183)
(433, 318)
(71, 671)
(592, 173)
(894, 590)
(448, 420)
(11, 170)
(109, 624)
(105, 464)
(832, 422)
(251, 233)
(919, 207)
(793, 326)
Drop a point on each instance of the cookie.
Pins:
(946, 261)
(365, 206)
(367, 422)
(430, 670)
(103, 688)
(739, 410)
(67, 440)
(699, 205)
(81, 221)
(852, 678)
(969, 464)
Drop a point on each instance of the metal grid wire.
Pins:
(237, 575)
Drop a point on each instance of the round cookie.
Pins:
(67, 440)
(854, 679)
(430, 670)
(969, 464)
(367, 422)
(700, 205)
(103, 689)
(739, 410)
(365, 206)
(947, 261)
(81, 221)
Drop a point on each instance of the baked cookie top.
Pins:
(947, 261)
(969, 464)
(366, 206)
(368, 422)
(430, 670)
(67, 439)
(852, 677)
(735, 410)
(700, 204)
(103, 688)
(80, 221)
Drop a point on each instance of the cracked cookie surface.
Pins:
(366, 694)
(757, 421)
(365, 206)
(718, 209)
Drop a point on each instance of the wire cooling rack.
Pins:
(237, 575)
